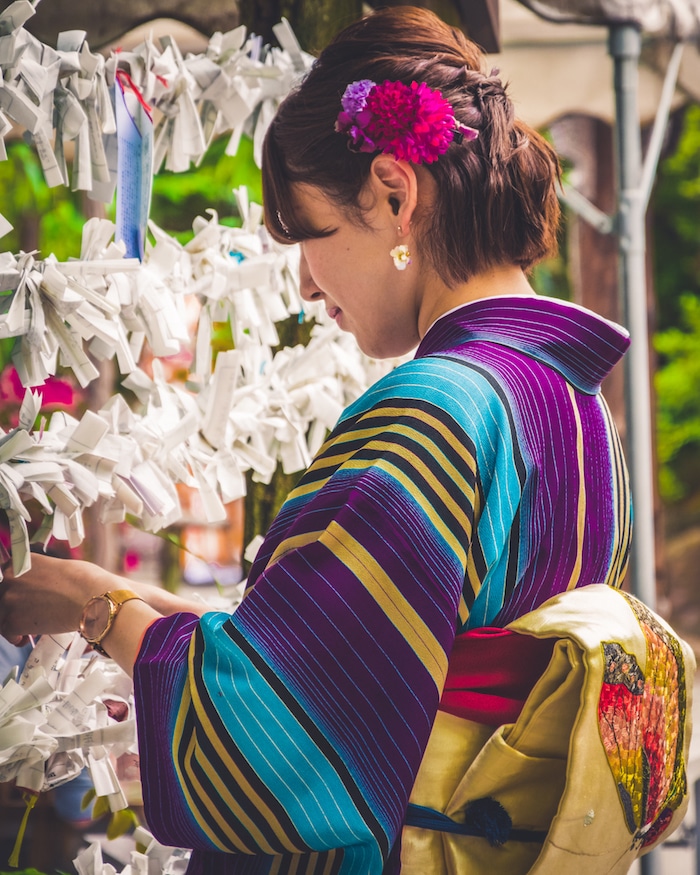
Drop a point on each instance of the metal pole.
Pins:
(625, 47)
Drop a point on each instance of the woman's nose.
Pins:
(307, 287)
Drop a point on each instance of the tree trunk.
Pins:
(315, 22)
(588, 143)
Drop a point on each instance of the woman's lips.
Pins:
(334, 312)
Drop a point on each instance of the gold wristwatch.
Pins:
(99, 614)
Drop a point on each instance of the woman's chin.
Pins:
(384, 349)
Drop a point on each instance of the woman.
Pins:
(462, 491)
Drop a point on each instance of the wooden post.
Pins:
(587, 143)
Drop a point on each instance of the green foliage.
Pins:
(677, 279)
(179, 197)
(678, 404)
(48, 219)
(120, 822)
(550, 278)
(676, 229)
(51, 219)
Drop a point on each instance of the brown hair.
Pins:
(496, 196)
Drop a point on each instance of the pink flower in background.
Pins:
(56, 394)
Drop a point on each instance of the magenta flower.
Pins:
(412, 122)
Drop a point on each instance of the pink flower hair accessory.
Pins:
(411, 122)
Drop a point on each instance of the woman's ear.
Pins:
(395, 188)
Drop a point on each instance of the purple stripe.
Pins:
(574, 341)
(159, 676)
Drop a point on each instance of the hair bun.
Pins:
(485, 88)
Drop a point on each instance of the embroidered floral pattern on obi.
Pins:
(641, 715)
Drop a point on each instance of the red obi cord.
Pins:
(492, 672)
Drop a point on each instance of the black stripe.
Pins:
(192, 727)
(307, 725)
(321, 742)
(363, 448)
(427, 491)
(345, 439)
(247, 805)
(511, 576)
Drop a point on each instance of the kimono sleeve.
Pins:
(298, 723)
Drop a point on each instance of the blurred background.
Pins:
(561, 78)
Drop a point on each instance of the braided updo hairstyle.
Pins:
(496, 197)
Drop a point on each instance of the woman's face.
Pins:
(352, 272)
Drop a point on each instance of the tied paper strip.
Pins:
(157, 859)
(55, 721)
(255, 410)
(67, 93)
(135, 165)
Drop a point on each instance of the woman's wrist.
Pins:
(163, 601)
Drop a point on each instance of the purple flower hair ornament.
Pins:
(411, 122)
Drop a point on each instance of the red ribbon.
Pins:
(125, 81)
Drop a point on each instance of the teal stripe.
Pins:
(279, 750)
(468, 397)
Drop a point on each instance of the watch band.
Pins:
(115, 599)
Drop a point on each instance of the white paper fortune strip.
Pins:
(256, 410)
(250, 411)
(56, 719)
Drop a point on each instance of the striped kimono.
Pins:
(462, 490)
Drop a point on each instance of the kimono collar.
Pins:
(582, 346)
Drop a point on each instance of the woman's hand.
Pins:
(50, 597)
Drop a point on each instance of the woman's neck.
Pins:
(439, 299)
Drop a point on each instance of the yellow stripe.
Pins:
(382, 589)
(471, 574)
(240, 779)
(187, 777)
(463, 611)
(330, 462)
(460, 516)
(424, 419)
(380, 446)
(621, 497)
(615, 552)
(214, 807)
(429, 477)
(620, 502)
(263, 809)
(329, 864)
(581, 502)
(334, 461)
(290, 544)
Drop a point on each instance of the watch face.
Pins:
(95, 618)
